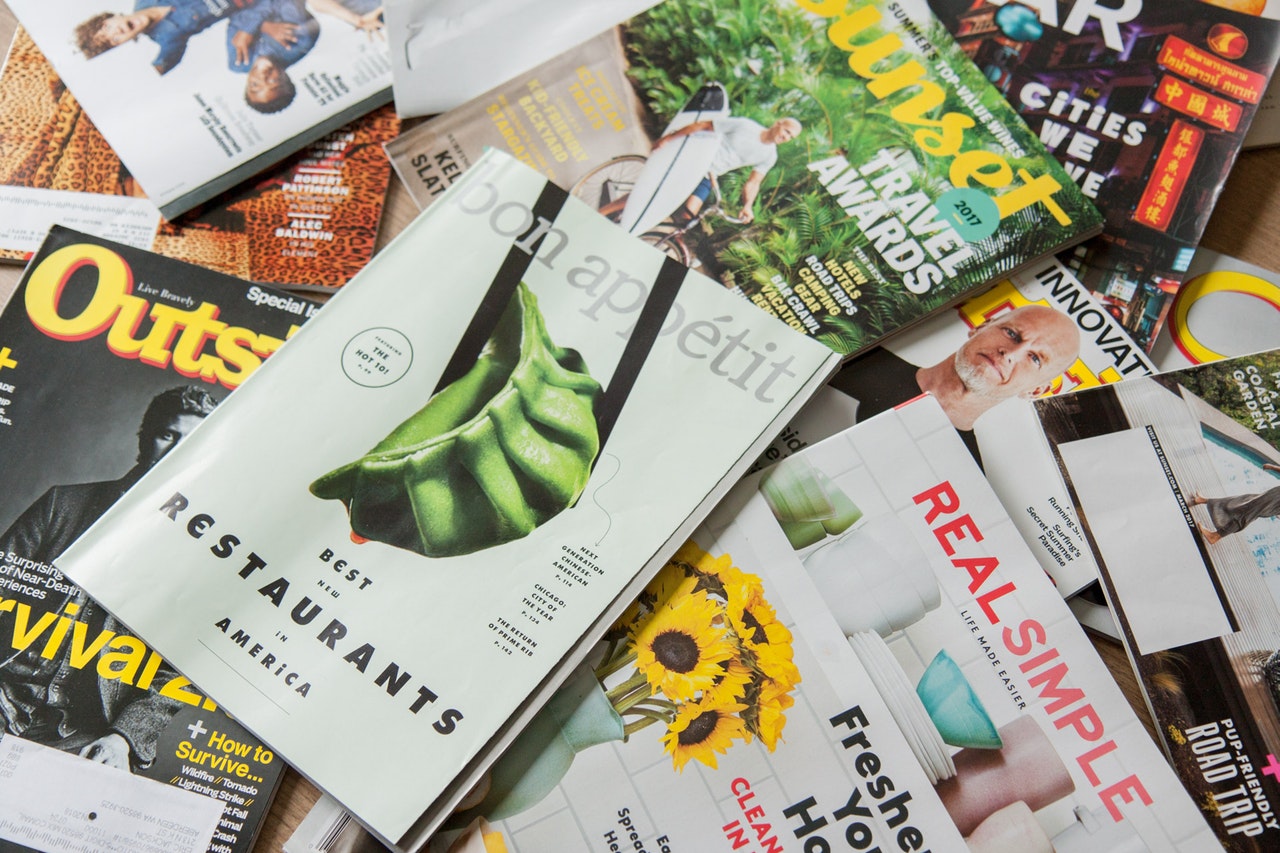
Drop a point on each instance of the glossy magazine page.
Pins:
(1146, 106)
(196, 97)
(358, 547)
(874, 659)
(1176, 478)
(766, 152)
(312, 221)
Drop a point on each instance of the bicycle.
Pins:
(612, 181)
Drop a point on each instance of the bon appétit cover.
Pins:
(399, 535)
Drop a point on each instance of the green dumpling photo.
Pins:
(491, 456)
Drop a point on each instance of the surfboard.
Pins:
(673, 172)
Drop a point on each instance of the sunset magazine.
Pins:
(843, 166)
(109, 356)
(1146, 104)
(874, 661)
(1176, 478)
(397, 538)
(195, 98)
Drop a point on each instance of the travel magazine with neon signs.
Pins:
(109, 356)
(392, 543)
(855, 651)
(850, 173)
(1146, 104)
(1176, 479)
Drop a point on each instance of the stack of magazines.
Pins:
(707, 465)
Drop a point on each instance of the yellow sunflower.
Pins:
(731, 685)
(753, 619)
(775, 663)
(774, 699)
(670, 585)
(702, 729)
(679, 649)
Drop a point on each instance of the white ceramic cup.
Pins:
(1012, 829)
(875, 577)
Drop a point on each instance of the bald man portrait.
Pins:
(1017, 354)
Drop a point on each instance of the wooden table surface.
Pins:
(1245, 223)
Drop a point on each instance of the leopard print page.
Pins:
(311, 223)
(46, 140)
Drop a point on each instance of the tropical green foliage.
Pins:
(776, 61)
(1228, 388)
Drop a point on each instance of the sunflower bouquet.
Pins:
(708, 659)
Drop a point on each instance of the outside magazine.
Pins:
(385, 581)
(846, 169)
(1146, 104)
(195, 97)
(1177, 481)
(1038, 334)
(855, 651)
(109, 356)
(312, 221)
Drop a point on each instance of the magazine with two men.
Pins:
(394, 540)
(843, 166)
(855, 651)
(195, 97)
(310, 222)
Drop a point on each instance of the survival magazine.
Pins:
(110, 355)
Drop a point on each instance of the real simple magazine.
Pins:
(874, 659)
(421, 564)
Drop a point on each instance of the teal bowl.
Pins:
(954, 708)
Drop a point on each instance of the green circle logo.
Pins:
(971, 212)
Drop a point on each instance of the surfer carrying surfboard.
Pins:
(739, 143)
(743, 142)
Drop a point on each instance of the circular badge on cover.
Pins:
(971, 212)
(1226, 40)
(377, 357)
